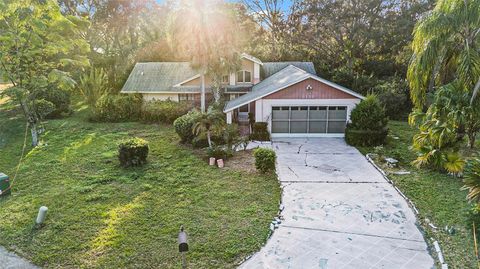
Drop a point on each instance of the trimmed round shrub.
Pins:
(133, 152)
(368, 125)
(184, 126)
(60, 100)
(164, 111)
(260, 132)
(117, 108)
(264, 159)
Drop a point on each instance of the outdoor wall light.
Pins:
(309, 87)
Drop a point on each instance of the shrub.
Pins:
(199, 142)
(184, 126)
(365, 137)
(368, 125)
(472, 181)
(60, 100)
(164, 111)
(116, 108)
(264, 159)
(216, 152)
(133, 152)
(231, 136)
(260, 132)
(93, 85)
(43, 108)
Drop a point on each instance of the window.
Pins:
(233, 96)
(225, 79)
(186, 97)
(244, 76)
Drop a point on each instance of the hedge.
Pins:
(133, 152)
(264, 159)
(260, 132)
(365, 137)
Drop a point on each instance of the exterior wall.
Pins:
(319, 91)
(160, 96)
(263, 108)
(247, 65)
(256, 73)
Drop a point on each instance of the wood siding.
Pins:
(319, 91)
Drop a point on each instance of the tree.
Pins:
(38, 48)
(208, 122)
(446, 62)
(205, 32)
(472, 180)
(121, 33)
(446, 48)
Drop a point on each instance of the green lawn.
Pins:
(103, 216)
(437, 196)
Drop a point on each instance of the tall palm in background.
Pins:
(446, 48)
(446, 63)
(204, 31)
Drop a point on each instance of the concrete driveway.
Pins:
(339, 213)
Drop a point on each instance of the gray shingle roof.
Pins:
(159, 77)
(285, 77)
(270, 68)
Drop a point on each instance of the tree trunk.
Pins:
(471, 139)
(34, 131)
(209, 139)
(32, 122)
(202, 97)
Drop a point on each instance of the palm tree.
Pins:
(208, 122)
(472, 180)
(204, 31)
(446, 48)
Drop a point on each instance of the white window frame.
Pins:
(186, 97)
(225, 81)
(243, 72)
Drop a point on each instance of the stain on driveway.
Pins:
(339, 213)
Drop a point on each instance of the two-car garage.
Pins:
(308, 119)
(295, 103)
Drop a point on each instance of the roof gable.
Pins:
(270, 68)
(288, 76)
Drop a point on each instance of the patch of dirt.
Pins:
(242, 161)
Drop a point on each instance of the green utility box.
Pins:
(4, 185)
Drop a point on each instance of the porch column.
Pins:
(229, 117)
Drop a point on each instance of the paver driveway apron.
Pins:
(339, 213)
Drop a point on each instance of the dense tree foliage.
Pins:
(121, 33)
(39, 50)
(446, 64)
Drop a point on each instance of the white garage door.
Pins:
(309, 119)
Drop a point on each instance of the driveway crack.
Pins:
(342, 232)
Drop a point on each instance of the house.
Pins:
(289, 96)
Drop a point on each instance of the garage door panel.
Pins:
(298, 127)
(336, 127)
(337, 113)
(309, 119)
(318, 113)
(299, 113)
(318, 127)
